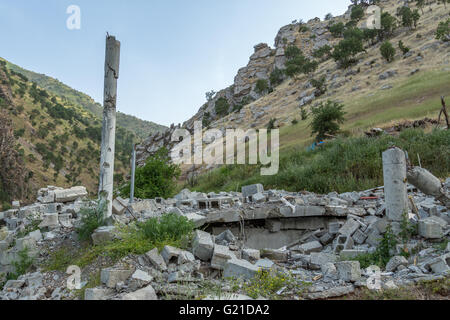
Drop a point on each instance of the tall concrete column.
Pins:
(395, 186)
(106, 183)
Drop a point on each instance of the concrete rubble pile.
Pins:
(314, 237)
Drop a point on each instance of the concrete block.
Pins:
(236, 268)
(118, 208)
(248, 191)
(258, 197)
(264, 264)
(225, 238)
(430, 229)
(144, 294)
(349, 271)
(327, 238)
(275, 255)
(50, 220)
(68, 195)
(97, 294)
(251, 255)
(156, 260)
(333, 227)
(441, 264)
(65, 220)
(359, 237)
(220, 257)
(103, 235)
(36, 235)
(141, 276)
(313, 246)
(317, 259)
(110, 276)
(185, 257)
(395, 262)
(203, 245)
(349, 228)
(170, 254)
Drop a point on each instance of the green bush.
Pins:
(345, 51)
(337, 29)
(323, 52)
(357, 13)
(388, 25)
(387, 51)
(169, 228)
(326, 119)
(402, 47)
(320, 85)
(443, 31)
(262, 86)
(222, 106)
(276, 77)
(91, 219)
(157, 178)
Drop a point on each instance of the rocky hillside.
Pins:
(139, 127)
(56, 140)
(375, 92)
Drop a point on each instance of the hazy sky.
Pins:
(172, 52)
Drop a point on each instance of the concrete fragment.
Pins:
(248, 191)
(170, 254)
(327, 238)
(251, 255)
(349, 271)
(430, 229)
(273, 225)
(142, 276)
(103, 235)
(144, 294)
(236, 268)
(331, 293)
(225, 238)
(351, 253)
(97, 294)
(313, 246)
(50, 220)
(275, 254)
(72, 194)
(118, 208)
(220, 257)
(349, 227)
(156, 259)
(426, 182)
(395, 262)
(203, 245)
(441, 264)
(258, 197)
(359, 237)
(317, 259)
(111, 276)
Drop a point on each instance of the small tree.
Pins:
(407, 17)
(420, 4)
(388, 25)
(345, 51)
(326, 119)
(157, 178)
(387, 51)
(402, 47)
(304, 114)
(337, 29)
(320, 86)
(276, 77)
(222, 106)
(323, 52)
(357, 13)
(415, 17)
(209, 95)
(328, 17)
(443, 31)
(261, 86)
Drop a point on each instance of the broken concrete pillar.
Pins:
(426, 182)
(395, 189)
(110, 276)
(106, 183)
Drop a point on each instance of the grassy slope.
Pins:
(139, 127)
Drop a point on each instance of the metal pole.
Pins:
(133, 171)
(106, 183)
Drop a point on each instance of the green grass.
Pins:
(342, 165)
(137, 239)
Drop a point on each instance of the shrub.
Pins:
(443, 31)
(388, 25)
(402, 47)
(262, 86)
(294, 122)
(169, 228)
(319, 84)
(267, 283)
(156, 178)
(322, 52)
(387, 51)
(345, 51)
(276, 77)
(357, 13)
(91, 219)
(304, 114)
(407, 17)
(326, 119)
(415, 17)
(222, 106)
(337, 29)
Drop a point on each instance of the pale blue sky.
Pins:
(173, 51)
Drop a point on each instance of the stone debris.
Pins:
(315, 237)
